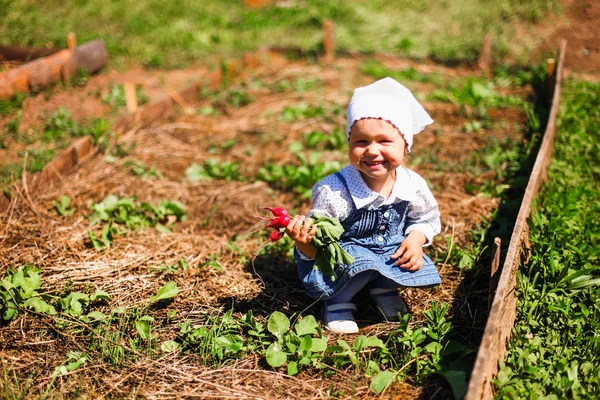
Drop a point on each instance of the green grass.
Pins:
(555, 349)
(174, 34)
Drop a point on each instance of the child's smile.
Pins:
(376, 149)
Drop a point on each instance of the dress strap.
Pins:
(343, 180)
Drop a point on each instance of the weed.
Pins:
(19, 289)
(300, 178)
(336, 140)
(12, 127)
(115, 98)
(301, 111)
(15, 103)
(213, 168)
(182, 265)
(127, 213)
(62, 206)
(138, 168)
(379, 71)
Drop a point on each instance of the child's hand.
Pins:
(409, 255)
(301, 230)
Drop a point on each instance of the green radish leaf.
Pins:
(162, 229)
(458, 382)
(292, 368)
(39, 305)
(306, 344)
(319, 345)
(359, 343)
(372, 368)
(374, 341)
(143, 329)
(434, 347)
(169, 346)
(278, 324)
(381, 381)
(99, 295)
(307, 326)
(275, 356)
(62, 206)
(96, 315)
(168, 291)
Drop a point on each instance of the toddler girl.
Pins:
(387, 211)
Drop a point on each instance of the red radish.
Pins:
(279, 222)
(277, 211)
(281, 219)
(276, 235)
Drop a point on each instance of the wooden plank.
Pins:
(328, 41)
(503, 313)
(485, 57)
(130, 97)
(494, 273)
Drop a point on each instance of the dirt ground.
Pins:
(216, 210)
(31, 232)
(580, 28)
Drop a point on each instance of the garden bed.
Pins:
(260, 140)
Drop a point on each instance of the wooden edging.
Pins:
(503, 311)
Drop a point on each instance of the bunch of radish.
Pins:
(279, 221)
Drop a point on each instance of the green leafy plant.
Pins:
(75, 359)
(379, 71)
(19, 289)
(302, 345)
(167, 291)
(336, 140)
(138, 168)
(181, 265)
(7, 107)
(302, 111)
(62, 206)
(128, 213)
(115, 98)
(300, 178)
(214, 169)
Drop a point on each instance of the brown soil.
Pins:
(580, 27)
(219, 213)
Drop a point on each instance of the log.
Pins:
(46, 71)
(92, 56)
(26, 54)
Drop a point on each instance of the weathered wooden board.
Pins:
(503, 312)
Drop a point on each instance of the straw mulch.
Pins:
(221, 219)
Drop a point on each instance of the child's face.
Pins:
(376, 148)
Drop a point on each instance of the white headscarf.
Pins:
(388, 100)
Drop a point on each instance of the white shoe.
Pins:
(390, 303)
(338, 318)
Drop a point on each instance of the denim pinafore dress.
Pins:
(371, 236)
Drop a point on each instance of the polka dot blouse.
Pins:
(331, 198)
